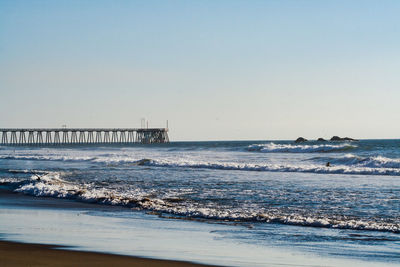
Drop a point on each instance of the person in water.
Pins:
(328, 164)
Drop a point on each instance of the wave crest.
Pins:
(310, 168)
(349, 164)
(358, 161)
(288, 148)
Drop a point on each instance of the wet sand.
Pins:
(22, 254)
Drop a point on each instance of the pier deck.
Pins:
(62, 136)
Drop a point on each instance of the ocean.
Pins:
(263, 194)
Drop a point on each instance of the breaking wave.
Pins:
(310, 168)
(348, 164)
(52, 185)
(49, 157)
(358, 161)
(288, 148)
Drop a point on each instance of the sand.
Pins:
(21, 254)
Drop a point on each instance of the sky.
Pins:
(216, 70)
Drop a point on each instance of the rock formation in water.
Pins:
(337, 138)
(300, 140)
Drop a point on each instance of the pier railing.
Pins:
(63, 136)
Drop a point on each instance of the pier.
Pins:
(65, 136)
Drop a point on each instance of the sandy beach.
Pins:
(22, 254)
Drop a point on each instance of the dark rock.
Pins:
(349, 139)
(337, 138)
(321, 139)
(300, 140)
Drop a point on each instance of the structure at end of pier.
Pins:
(64, 136)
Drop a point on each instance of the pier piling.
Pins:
(64, 136)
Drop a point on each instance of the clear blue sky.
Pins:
(217, 70)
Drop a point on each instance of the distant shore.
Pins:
(24, 254)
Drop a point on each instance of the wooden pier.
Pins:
(64, 136)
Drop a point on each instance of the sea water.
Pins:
(262, 193)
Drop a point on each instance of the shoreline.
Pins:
(29, 254)
(101, 201)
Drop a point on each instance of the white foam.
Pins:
(288, 148)
(7, 180)
(52, 185)
(47, 157)
(339, 223)
(309, 168)
(381, 162)
(371, 162)
(348, 164)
